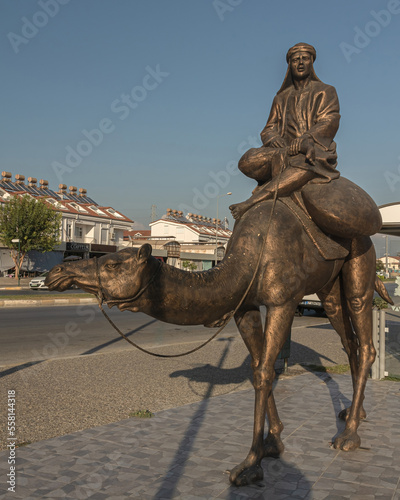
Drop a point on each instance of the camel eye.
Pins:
(112, 265)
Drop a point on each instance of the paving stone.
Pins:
(184, 453)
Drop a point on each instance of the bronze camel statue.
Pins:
(288, 266)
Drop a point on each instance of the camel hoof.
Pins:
(347, 441)
(273, 446)
(240, 476)
(344, 414)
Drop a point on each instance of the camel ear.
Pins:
(144, 253)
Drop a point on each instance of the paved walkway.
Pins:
(183, 453)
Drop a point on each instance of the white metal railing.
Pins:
(378, 369)
(83, 239)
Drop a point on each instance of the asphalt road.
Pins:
(33, 334)
(39, 333)
(391, 287)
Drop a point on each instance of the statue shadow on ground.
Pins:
(275, 471)
(14, 369)
(217, 376)
(93, 350)
(118, 339)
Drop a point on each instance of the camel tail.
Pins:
(381, 289)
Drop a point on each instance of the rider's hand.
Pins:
(295, 146)
(303, 145)
(310, 154)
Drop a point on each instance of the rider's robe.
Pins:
(313, 112)
(335, 204)
(340, 207)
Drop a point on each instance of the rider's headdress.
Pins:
(304, 47)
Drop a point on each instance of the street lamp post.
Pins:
(16, 240)
(387, 258)
(216, 227)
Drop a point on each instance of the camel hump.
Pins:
(342, 208)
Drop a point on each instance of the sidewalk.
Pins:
(47, 302)
(183, 453)
(12, 284)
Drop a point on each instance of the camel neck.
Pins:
(194, 298)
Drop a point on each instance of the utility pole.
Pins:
(216, 227)
(153, 213)
(387, 255)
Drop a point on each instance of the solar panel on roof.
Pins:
(10, 186)
(88, 200)
(76, 198)
(30, 190)
(65, 197)
(47, 192)
(36, 190)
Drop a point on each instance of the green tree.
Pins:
(379, 265)
(189, 266)
(33, 222)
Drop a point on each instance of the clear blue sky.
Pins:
(217, 67)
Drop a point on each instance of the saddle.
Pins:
(329, 247)
(333, 213)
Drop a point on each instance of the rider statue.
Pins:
(298, 150)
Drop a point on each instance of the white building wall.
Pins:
(392, 263)
(180, 232)
(92, 230)
(119, 236)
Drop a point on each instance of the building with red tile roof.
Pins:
(87, 228)
(192, 228)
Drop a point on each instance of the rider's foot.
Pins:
(239, 209)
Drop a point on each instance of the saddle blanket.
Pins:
(329, 247)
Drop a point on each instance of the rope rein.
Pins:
(100, 299)
(100, 295)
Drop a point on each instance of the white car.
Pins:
(38, 283)
(311, 302)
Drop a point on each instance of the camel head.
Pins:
(122, 274)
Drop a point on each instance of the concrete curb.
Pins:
(14, 288)
(46, 302)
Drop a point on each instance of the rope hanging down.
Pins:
(100, 296)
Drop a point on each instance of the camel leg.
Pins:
(358, 284)
(335, 306)
(264, 353)
(250, 327)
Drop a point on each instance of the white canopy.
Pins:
(391, 218)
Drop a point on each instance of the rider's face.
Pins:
(301, 65)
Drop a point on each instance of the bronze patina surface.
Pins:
(270, 250)
(298, 143)
(290, 268)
